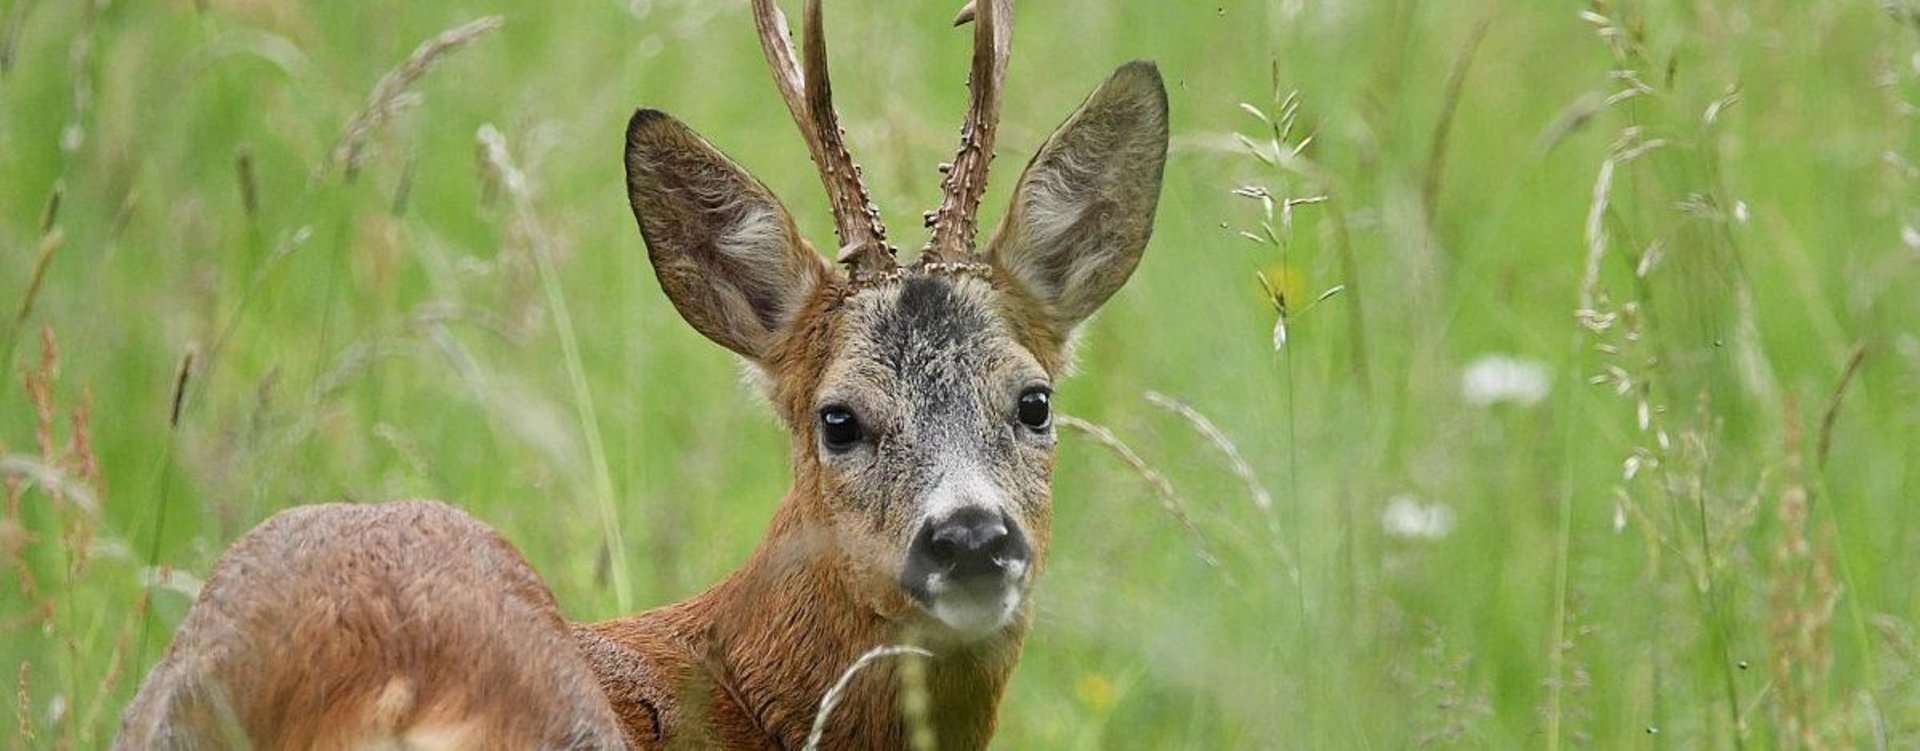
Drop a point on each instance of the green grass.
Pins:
(399, 334)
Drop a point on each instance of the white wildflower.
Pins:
(1500, 378)
(1405, 516)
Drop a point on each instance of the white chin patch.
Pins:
(975, 615)
(975, 612)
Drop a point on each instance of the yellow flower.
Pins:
(1095, 691)
(1283, 287)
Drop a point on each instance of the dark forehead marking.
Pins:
(932, 314)
(932, 339)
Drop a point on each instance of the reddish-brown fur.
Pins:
(345, 626)
(745, 664)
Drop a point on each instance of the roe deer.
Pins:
(917, 399)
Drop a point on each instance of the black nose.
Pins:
(972, 544)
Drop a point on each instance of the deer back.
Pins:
(400, 625)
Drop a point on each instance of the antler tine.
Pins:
(775, 43)
(809, 97)
(954, 223)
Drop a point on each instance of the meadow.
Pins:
(1596, 422)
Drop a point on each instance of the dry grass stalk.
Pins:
(494, 154)
(1443, 127)
(1614, 330)
(53, 479)
(1262, 500)
(82, 62)
(518, 263)
(14, 539)
(23, 708)
(1169, 499)
(1571, 119)
(1572, 682)
(1296, 173)
(504, 172)
(1631, 144)
(839, 689)
(403, 192)
(49, 243)
(180, 380)
(1804, 594)
(1595, 235)
(69, 475)
(72, 478)
(116, 664)
(1453, 708)
(1832, 413)
(124, 215)
(1899, 660)
(10, 38)
(39, 384)
(249, 187)
(80, 456)
(66, 475)
(83, 467)
(390, 95)
(916, 703)
(50, 214)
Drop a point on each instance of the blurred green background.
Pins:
(1605, 434)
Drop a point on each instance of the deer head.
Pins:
(917, 397)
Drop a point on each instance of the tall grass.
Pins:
(1593, 419)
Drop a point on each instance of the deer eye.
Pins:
(839, 428)
(1036, 408)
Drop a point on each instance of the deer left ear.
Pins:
(725, 250)
(1084, 208)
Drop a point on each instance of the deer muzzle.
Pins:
(968, 569)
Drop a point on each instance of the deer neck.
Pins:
(783, 629)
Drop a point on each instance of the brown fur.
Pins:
(344, 626)
(408, 625)
(744, 664)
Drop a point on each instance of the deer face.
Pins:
(919, 399)
(930, 432)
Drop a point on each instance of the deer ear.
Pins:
(726, 252)
(1084, 208)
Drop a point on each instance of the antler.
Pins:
(954, 223)
(809, 97)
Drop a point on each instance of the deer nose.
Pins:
(970, 545)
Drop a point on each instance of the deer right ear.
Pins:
(1084, 209)
(726, 252)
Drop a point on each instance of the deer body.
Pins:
(917, 400)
